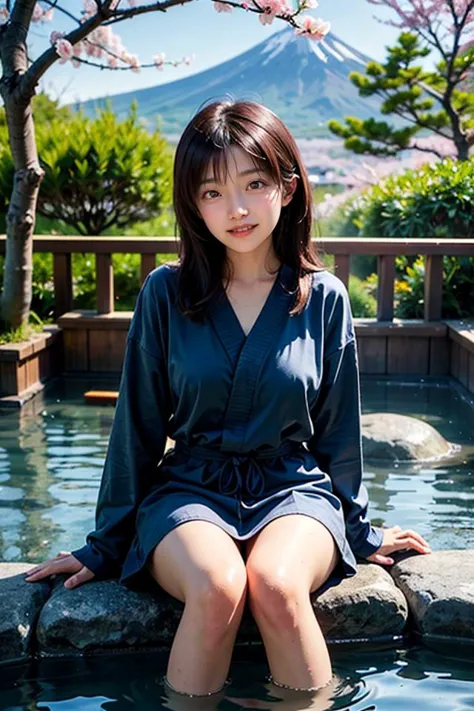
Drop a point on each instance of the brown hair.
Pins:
(202, 258)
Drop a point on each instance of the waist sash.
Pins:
(240, 472)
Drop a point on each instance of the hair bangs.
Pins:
(213, 148)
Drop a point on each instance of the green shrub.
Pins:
(99, 173)
(434, 201)
(363, 302)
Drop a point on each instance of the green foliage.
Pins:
(24, 332)
(409, 289)
(44, 111)
(434, 201)
(99, 173)
(363, 301)
(428, 100)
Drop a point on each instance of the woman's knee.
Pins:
(273, 596)
(183, 565)
(219, 596)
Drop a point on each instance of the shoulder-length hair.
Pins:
(202, 258)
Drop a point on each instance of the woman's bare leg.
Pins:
(199, 564)
(291, 557)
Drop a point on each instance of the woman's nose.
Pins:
(236, 211)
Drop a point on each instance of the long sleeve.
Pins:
(337, 441)
(137, 440)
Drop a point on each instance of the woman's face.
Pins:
(249, 197)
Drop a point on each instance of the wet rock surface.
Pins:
(390, 437)
(105, 615)
(367, 606)
(20, 606)
(439, 589)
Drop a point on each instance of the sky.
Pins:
(196, 29)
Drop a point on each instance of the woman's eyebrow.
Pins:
(250, 171)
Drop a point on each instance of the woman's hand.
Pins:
(63, 563)
(394, 539)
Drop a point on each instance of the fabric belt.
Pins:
(240, 472)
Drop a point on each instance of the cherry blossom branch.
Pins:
(95, 38)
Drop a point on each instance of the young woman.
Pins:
(244, 353)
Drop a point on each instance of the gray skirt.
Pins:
(240, 493)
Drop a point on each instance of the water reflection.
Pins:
(51, 458)
(52, 453)
(364, 681)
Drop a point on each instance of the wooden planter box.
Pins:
(461, 334)
(94, 342)
(24, 367)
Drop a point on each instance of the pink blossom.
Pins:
(4, 15)
(266, 19)
(48, 15)
(244, 5)
(134, 63)
(308, 4)
(78, 49)
(37, 13)
(273, 7)
(132, 3)
(90, 8)
(222, 7)
(64, 49)
(75, 63)
(112, 62)
(55, 36)
(315, 29)
(113, 4)
(159, 60)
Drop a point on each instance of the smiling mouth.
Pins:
(243, 230)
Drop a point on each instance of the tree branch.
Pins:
(31, 78)
(54, 6)
(120, 15)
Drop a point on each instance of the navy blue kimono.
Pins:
(265, 425)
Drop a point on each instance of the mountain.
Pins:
(304, 82)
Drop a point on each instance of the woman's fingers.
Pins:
(415, 535)
(380, 559)
(64, 564)
(410, 542)
(83, 576)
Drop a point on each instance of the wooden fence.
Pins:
(385, 250)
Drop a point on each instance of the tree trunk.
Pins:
(21, 216)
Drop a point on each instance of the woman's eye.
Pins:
(207, 193)
(262, 184)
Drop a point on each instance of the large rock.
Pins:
(439, 588)
(20, 605)
(367, 606)
(400, 438)
(105, 614)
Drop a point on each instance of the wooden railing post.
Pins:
(104, 273)
(147, 264)
(342, 262)
(433, 287)
(385, 288)
(62, 279)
